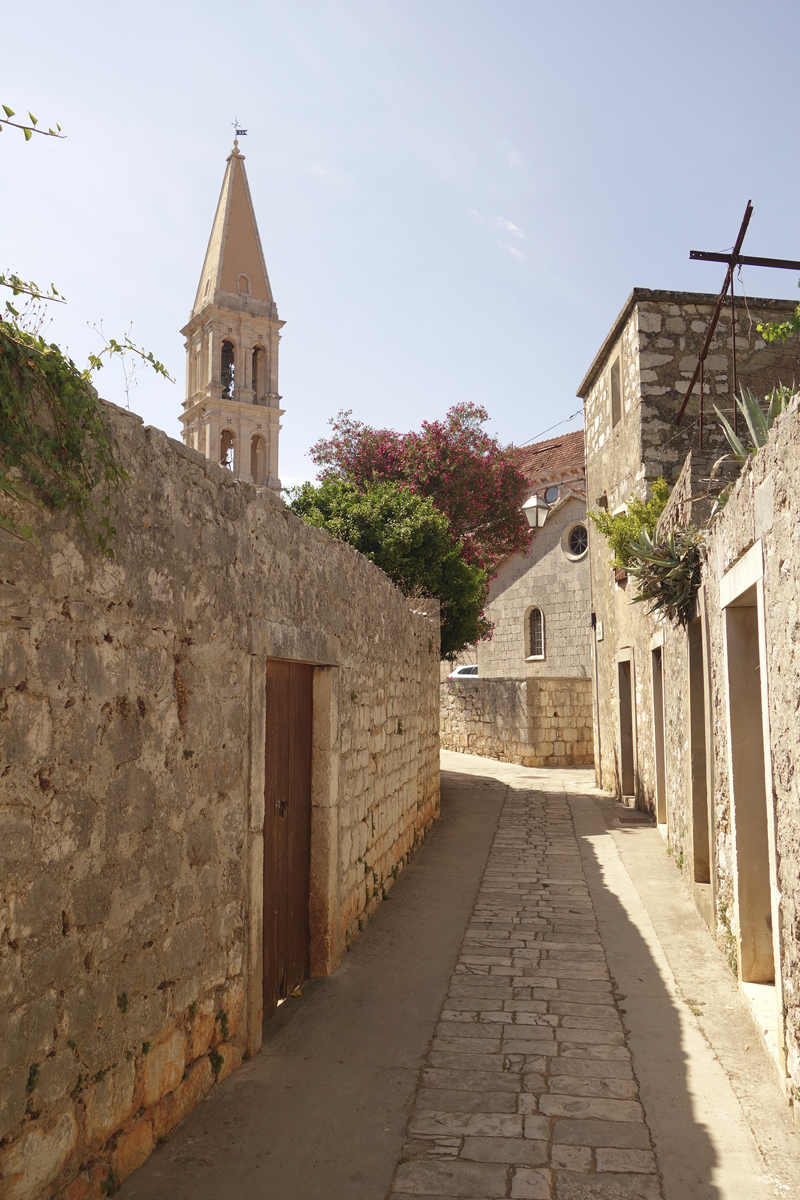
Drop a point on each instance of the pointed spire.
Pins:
(234, 248)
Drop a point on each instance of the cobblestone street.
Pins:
(528, 1089)
(538, 1014)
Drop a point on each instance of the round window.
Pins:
(551, 495)
(578, 540)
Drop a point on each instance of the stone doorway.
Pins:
(287, 829)
(627, 771)
(657, 662)
(747, 771)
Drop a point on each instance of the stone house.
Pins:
(699, 725)
(531, 702)
(217, 749)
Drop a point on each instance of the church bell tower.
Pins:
(231, 411)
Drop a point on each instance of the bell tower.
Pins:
(231, 411)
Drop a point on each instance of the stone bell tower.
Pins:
(231, 411)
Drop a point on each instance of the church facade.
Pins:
(231, 413)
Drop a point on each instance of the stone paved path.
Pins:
(528, 1091)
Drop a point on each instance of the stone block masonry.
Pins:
(535, 722)
(529, 1091)
(132, 736)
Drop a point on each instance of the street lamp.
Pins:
(535, 511)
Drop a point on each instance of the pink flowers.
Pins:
(469, 476)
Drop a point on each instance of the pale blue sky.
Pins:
(455, 197)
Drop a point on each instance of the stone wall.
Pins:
(657, 338)
(132, 699)
(549, 577)
(757, 535)
(540, 722)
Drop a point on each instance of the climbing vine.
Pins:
(56, 449)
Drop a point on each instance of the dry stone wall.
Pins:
(542, 722)
(132, 710)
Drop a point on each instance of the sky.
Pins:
(455, 197)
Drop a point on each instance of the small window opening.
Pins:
(578, 540)
(536, 633)
(616, 393)
(205, 290)
(244, 285)
(228, 371)
(551, 495)
(226, 456)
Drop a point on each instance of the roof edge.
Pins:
(638, 294)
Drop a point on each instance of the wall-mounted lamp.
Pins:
(535, 511)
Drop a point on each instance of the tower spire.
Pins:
(231, 410)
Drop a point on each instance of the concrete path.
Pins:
(538, 1011)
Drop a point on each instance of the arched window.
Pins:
(244, 285)
(258, 459)
(205, 290)
(227, 370)
(258, 373)
(226, 449)
(535, 633)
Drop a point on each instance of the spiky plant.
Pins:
(758, 422)
(668, 572)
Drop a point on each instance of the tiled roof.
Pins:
(558, 454)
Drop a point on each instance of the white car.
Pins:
(464, 673)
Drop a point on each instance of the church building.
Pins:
(231, 412)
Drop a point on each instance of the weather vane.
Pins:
(239, 132)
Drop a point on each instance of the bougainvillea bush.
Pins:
(468, 475)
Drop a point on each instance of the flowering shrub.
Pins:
(466, 473)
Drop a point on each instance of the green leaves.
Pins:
(55, 449)
(780, 331)
(668, 573)
(410, 539)
(621, 529)
(28, 130)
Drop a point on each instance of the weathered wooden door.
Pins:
(287, 829)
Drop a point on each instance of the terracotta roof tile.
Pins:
(554, 455)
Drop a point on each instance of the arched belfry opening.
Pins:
(227, 450)
(227, 370)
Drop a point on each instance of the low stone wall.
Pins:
(132, 754)
(535, 722)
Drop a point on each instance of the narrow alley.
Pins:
(517, 1022)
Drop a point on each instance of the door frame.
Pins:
(748, 572)
(324, 948)
(621, 656)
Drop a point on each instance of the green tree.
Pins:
(410, 539)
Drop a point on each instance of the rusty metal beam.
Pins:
(748, 212)
(746, 260)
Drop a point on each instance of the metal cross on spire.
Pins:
(734, 259)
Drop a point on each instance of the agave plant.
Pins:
(668, 572)
(758, 422)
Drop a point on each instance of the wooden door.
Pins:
(287, 829)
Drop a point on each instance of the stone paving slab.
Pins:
(528, 1092)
